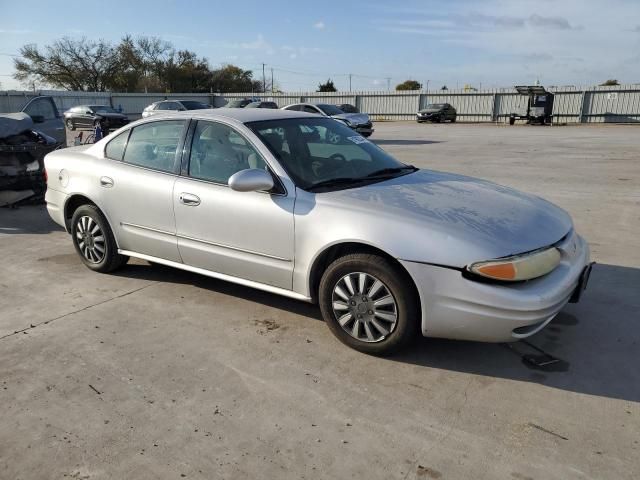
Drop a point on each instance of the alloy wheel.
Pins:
(364, 307)
(90, 239)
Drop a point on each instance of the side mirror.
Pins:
(88, 112)
(37, 118)
(251, 180)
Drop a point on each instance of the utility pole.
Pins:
(272, 80)
(427, 84)
(264, 80)
(349, 82)
(388, 83)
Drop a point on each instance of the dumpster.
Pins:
(539, 106)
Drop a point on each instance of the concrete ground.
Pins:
(157, 373)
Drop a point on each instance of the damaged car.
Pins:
(22, 151)
(268, 199)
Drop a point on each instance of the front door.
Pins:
(242, 234)
(137, 187)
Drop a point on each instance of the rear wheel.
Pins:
(94, 240)
(369, 304)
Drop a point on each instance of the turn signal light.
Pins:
(519, 267)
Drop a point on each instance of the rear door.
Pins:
(137, 187)
(248, 235)
(49, 120)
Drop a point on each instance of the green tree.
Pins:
(409, 85)
(328, 86)
(610, 83)
(70, 64)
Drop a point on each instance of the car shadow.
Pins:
(26, 219)
(378, 141)
(161, 273)
(595, 342)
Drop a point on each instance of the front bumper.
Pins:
(458, 308)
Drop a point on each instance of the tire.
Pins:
(70, 125)
(453, 120)
(382, 329)
(90, 232)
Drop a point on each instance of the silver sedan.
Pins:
(302, 206)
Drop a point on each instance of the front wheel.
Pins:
(369, 304)
(94, 240)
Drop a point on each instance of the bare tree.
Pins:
(71, 64)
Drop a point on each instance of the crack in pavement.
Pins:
(36, 325)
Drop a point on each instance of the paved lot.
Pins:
(155, 373)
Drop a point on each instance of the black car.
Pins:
(88, 116)
(348, 108)
(436, 112)
(262, 104)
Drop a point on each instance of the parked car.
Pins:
(46, 117)
(348, 108)
(262, 104)
(173, 106)
(88, 116)
(437, 112)
(359, 122)
(257, 197)
(241, 103)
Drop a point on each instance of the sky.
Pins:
(483, 43)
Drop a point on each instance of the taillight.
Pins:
(45, 177)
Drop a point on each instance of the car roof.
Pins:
(239, 114)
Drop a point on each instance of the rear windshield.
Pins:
(193, 105)
(330, 109)
(102, 108)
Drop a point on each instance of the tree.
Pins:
(142, 64)
(71, 64)
(610, 83)
(444, 87)
(409, 85)
(230, 78)
(328, 86)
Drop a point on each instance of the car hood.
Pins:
(355, 118)
(463, 213)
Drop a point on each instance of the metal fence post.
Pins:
(581, 116)
(494, 104)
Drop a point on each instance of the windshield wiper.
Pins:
(391, 170)
(334, 182)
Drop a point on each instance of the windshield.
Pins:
(193, 105)
(434, 106)
(330, 109)
(102, 108)
(321, 154)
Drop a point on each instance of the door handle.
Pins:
(106, 182)
(189, 199)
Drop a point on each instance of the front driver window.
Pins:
(41, 107)
(154, 145)
(218, 151)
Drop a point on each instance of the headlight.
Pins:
(346, 121)
(519, 267)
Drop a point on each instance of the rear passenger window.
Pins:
(154, 145)
(115, 148)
